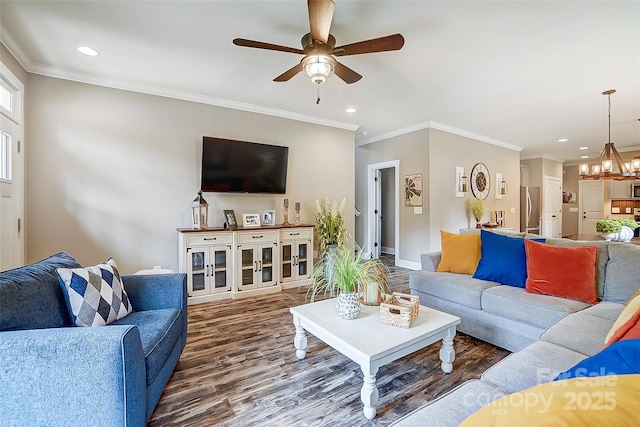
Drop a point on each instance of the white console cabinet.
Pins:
(243, 262)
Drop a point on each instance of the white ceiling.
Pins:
(525, 73)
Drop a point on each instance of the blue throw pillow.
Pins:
(620, 358)
(503, 259)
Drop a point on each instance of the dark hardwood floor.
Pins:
(239, 368)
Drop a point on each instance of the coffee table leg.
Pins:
(447, 353)
(369, 392)
(300, 340)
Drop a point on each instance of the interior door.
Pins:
(552, 218)
(11, 195)
(378, 214)
(591, 205)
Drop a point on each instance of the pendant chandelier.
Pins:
(605, 168)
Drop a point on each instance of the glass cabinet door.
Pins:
(197, 271)
(286, 261)
(248, 266)
(302, 262)
(266, 265)
(220, 268)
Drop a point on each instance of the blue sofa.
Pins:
(55, 374)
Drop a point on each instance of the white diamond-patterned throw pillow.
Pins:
(95, 295)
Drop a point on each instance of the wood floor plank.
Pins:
(239, 369)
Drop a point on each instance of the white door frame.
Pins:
(371, 199)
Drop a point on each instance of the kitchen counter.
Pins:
(597, 237)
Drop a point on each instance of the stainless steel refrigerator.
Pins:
(530, 209)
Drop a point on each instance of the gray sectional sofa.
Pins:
(548, 334)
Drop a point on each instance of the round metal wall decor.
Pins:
(480, 181)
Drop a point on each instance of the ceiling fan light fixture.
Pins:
(318, 67)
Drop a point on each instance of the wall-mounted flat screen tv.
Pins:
(230, 166)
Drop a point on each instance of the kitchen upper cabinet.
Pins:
(620, 190)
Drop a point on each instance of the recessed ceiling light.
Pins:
(584, 157)
(86, 50)
(350, 110)
(583, 148)
(563, 140)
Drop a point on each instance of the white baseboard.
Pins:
(411, 265)
(387, 250)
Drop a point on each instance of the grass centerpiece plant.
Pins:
(351, 274)
(617, 230)
(476, 208)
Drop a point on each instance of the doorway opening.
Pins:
(383, 209)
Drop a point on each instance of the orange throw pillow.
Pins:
(562, 271)
(627, 325)
(460, 252)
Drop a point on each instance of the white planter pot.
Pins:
(625, 235)
(348, 305)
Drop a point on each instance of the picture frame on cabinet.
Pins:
(251, 220)
(269, 217)
(230, 218)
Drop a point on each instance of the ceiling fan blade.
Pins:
(268, 46)
(382, 44)
(347, 74)
(320, 17)
(289, 73)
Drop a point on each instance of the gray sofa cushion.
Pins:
(603, 258)
(460, 288)
(623, 272)
(537, 363)
(34, 289)
(451, 408)
(534, 309)
(581, 332)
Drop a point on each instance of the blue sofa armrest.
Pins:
(156, 291)
(72, 376)
(431, 260)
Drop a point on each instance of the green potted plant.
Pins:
(351, 274)
(476, 208)
(330, 228)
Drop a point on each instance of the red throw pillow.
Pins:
(562, 271)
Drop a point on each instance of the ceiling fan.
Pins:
(319, 48)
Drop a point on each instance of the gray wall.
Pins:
(113, 173)
(435, 154)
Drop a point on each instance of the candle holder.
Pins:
(286, 212)
(297, 213)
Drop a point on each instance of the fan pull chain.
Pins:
(318, 93)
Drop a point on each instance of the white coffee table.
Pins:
(370, 343)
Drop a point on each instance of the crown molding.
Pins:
(542, 156)
(443, 127)
(47, 71)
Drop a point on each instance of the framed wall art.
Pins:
(413, 190)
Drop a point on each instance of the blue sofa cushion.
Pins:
(31, 298)
(503, 259)
(95, 295)
(620, 358)
(159, 331)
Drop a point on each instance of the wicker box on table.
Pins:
(400, 310)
